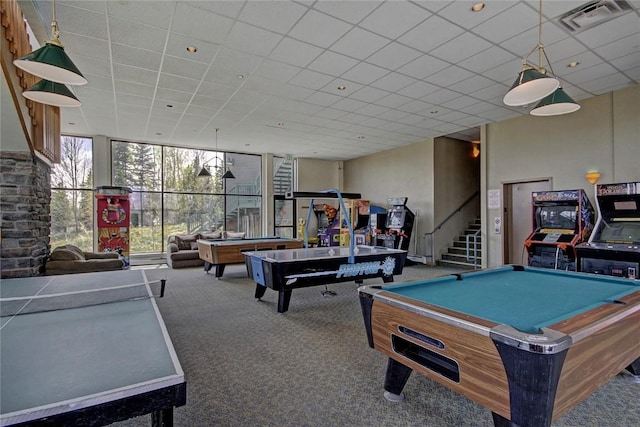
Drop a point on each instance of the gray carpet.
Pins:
(247, 365)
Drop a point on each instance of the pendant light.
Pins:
(532, 83)
(556, 104)
(204, 172)
(50, 62)
(51, 93)
(227, 174)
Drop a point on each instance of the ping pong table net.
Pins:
(14, 306)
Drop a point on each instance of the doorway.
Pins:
(518, 217)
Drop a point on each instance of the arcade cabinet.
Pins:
(377, 223)
(562, 219)
(399, 225)
(358, 213)
(614, 246)
(113, 220)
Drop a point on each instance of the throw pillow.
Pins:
(235, 234)
(194, 246)
(212, 235)
(183, 241)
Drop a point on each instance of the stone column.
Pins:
(25, 222)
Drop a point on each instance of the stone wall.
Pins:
(25, 197)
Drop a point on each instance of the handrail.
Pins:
(475, 247)
(439, 226)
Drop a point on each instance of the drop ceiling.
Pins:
(267, 73)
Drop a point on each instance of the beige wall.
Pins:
(316, 175)
(603, 135)
(402, 172)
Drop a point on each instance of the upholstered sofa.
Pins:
(182, 249)
(69, 259)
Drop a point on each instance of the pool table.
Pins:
(527, 343)
(220, 252)
(288, 269)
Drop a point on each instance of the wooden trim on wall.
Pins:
(40, 123)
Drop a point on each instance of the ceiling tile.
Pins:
(319, 29)
(295, 52)
(250, 39)
(200, 24)
(332, 63)
(430, 34)
(393, 56)
(273, 15)
(508, 24)
(365, 73)
(359, 43)
(393, 19)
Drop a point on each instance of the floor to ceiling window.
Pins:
(170, 195)
(72, 194)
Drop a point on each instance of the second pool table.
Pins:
(220, 252)
(527, 343)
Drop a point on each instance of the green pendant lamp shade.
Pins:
(228, 174)
(50, 62)
(204, 173)
(530, 86)
(51, 93)
(555, 104)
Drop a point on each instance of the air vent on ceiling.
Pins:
(593, 13)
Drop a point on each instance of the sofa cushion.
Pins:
(64, 254)
(184, 241)
(212, 235)
(235, 234)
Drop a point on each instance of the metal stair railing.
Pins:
(439, 226)
(475, 247)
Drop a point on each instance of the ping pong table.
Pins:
(89, 365)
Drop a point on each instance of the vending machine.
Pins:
(113, 213)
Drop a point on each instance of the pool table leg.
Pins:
(207, 266)
(283, 300)
(533, 381)
(634, 368)
(219, 270)
(395, 379)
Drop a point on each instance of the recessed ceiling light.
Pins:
(192, 49)
(240, 76)
(434, 111)
(341, 87)
(477, 7)
(573, 64)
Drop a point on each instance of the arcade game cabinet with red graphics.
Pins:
(561, 220)
(113, 220)
(614, 246)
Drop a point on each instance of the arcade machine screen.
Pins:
(619, 232)
(555, 219)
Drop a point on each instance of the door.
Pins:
(518, 217)
(284, 215)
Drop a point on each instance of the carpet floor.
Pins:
(247, 365)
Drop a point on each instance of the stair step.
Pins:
(463, 244)
(456, 264)
(460, 257)
(462, 250)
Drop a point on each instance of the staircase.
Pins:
(456, 255)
